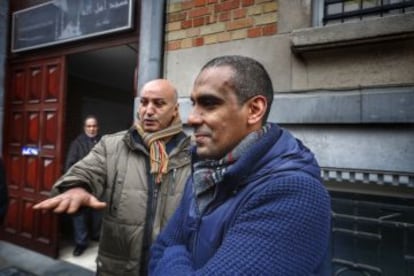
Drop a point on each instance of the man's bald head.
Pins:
(158, 105)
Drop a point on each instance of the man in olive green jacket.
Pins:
(139, 174)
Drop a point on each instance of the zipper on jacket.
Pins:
(149, 225)
(154, 202)
(173, 183)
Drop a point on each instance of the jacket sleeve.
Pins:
(281, 230)
(89, 173)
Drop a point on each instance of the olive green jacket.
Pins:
(117, 171)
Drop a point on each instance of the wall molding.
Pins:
(389, 104)
(380, 178)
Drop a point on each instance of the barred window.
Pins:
(338, 11)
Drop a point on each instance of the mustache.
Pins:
(152, 119)
(201, 131)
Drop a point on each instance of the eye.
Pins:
(159, 103)
(143, 102)
(209, 103)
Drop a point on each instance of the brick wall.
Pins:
(194, 23)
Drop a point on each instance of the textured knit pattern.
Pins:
(281, 228)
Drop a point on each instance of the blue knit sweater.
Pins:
(270, 216)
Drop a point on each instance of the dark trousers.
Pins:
(86, 224)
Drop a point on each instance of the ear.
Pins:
(257, 106)
(176, 110)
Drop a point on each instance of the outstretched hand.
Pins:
(70, 201)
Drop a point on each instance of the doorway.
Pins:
(99, 82)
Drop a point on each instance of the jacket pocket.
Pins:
(119, 247)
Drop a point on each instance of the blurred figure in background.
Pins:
(86, 217)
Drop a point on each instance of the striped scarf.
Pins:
(155, 141)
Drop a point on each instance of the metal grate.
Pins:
(372, 235)
(338, 11)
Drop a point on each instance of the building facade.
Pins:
(343, 77)
(344, 84)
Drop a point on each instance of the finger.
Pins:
(47, 204)
(39, 205)
(62, 206)
(96, 204)
(74, 205)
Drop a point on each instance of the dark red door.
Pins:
(33, 139)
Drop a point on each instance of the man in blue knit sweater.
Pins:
(254, 204)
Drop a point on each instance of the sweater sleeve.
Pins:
(283, 229)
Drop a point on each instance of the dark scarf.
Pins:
(208, 173)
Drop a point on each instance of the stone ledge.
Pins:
(353, 33)
(353, 106)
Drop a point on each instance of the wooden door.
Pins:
(33, 139)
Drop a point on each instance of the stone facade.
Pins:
(350, 84)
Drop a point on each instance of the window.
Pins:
(371, 235)
(338, 11)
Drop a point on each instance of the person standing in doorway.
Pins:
(85, 218)
(141, 174)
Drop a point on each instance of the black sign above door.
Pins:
(60, 21)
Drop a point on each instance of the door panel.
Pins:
(18, 86)
(35, 83)
(33, 140)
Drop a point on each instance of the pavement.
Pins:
(19, 261)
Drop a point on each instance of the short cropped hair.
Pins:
(90, 116)
(250, 78)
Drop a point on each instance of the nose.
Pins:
(195, 117)
(150, 109)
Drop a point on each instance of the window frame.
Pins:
(318, 9)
